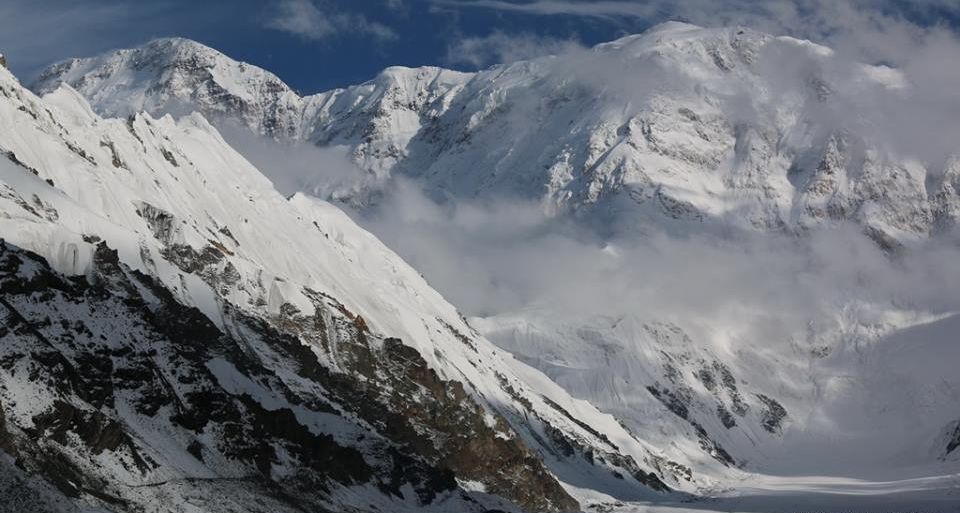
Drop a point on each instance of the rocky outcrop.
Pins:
(951, 440)
(223, 407)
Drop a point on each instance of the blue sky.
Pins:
(316, 45)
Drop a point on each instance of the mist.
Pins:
(500, 258)
(323, 172)
(500, 254)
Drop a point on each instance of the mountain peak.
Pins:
(691, 45)
(157, 53)
(177, 75)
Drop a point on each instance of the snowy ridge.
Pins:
(182, 73)
(660, 143)
(179, 206)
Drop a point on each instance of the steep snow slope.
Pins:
(865, 422)
(681, 126)
(876, 405)
(197, 311)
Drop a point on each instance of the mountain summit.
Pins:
(679, 126)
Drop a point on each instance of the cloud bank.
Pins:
(496, 256)
(492, 258)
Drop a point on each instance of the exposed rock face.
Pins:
(954, 441)
(106, 359)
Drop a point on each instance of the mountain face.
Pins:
(179, 76)
(870, 405)
(174, 329)
(646, 129)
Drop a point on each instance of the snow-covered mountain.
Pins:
(681, 125)
(175, 329)
(698, 130)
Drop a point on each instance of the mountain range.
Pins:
(186, 323)
(690, 125)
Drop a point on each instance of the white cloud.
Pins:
(305, 19)
(325, 172)
(499, 47)
(497, 257)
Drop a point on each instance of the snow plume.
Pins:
(907, 110)
(874, 25)
(918, 39)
